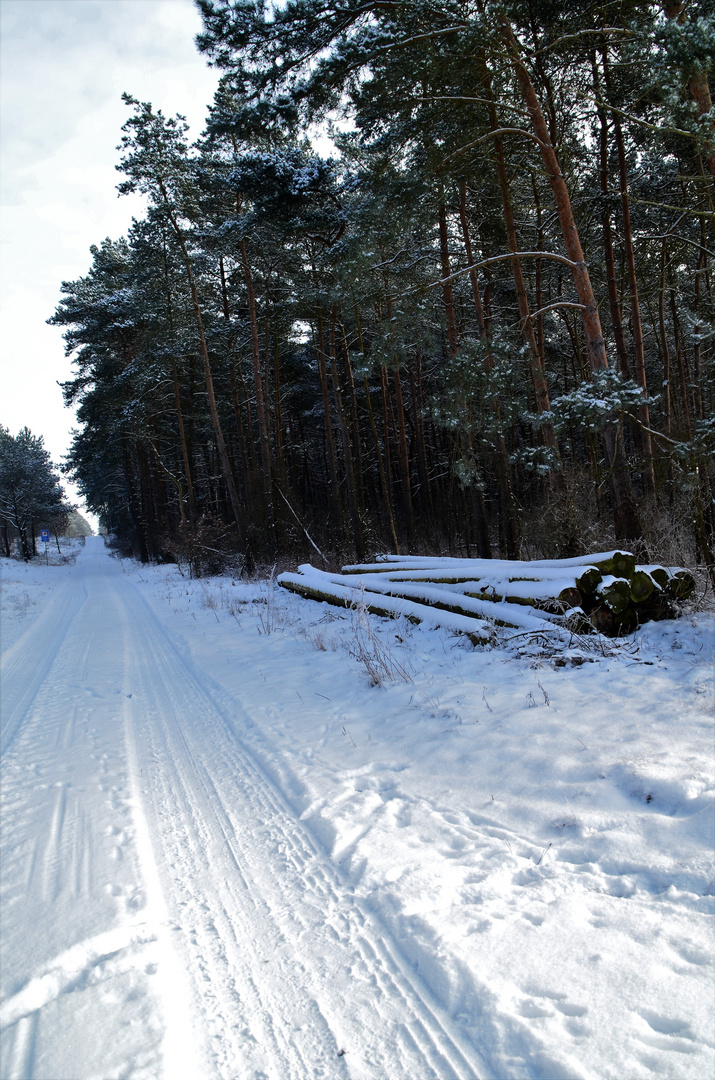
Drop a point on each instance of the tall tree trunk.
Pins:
(261, 416)
(280, 452)
(698, 85)
(177, 395)
(385, 393)
(354, 418)
(538, 379)
(403, 459)
(626, 520)
(422, 470)
(234, 385)
(184, 446)
(135, 514)
(248, 461)
(208, 374)
(509, 540)
(636, 325)
(447, 291)
(347, 451)
(538, 287)
(607, 234)
(698, 328)
(337, 512)
(665, 345)
(386, 494)
(475, 500)
(681, 361)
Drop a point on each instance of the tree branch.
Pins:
(490, 262)
(491, 135)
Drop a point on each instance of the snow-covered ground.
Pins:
(246, 835)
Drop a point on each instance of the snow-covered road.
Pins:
(165, 912)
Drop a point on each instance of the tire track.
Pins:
(74, 941)
(287, 969)
(26, 664)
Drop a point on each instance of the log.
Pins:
(459, 621)
(657, 607)
(603, 620)
(606, 591)
(624, 564)
(681, 585)
(607, 622)
(642, 585)
(570, 598)
(566, 600)
(615, 592)
(321, 597)
(659, 574)
(589, 581)
(626, 622)
(618, 564)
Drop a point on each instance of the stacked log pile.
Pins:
(606, 592)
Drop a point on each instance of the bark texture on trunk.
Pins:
(509, 539)
(636, 325)
(626, 520)
(698, 85)
(261, 414)
(337, 513)
(208, 374)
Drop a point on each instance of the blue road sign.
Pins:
(45, 536)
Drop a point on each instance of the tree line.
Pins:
(31, 494)
(482, 324)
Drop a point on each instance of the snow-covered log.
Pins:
(316, 585)
(606, 591)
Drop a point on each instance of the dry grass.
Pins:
(371, 650)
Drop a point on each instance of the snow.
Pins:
(375, 590)
(247, 834)
(479, 566)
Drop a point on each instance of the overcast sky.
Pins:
(63, 67)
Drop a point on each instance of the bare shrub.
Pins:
(206, 548)
(370, 650)
(272, 613)
(567, 522)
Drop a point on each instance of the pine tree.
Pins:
(30, 491)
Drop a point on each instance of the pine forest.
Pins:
(434, 279)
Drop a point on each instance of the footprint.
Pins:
(532, 1010)
(666, 1025)
(552, 995)
(568, 1009)
(577, 1029)
(661, 1042)
(689, 952)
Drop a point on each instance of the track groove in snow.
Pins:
(189, 924)
(26, 663)
(271, 937)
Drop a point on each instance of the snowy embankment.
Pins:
(516, 838)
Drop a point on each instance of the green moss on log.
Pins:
(616, 595)
(642, 585)
(681, 585)
(589, 581)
